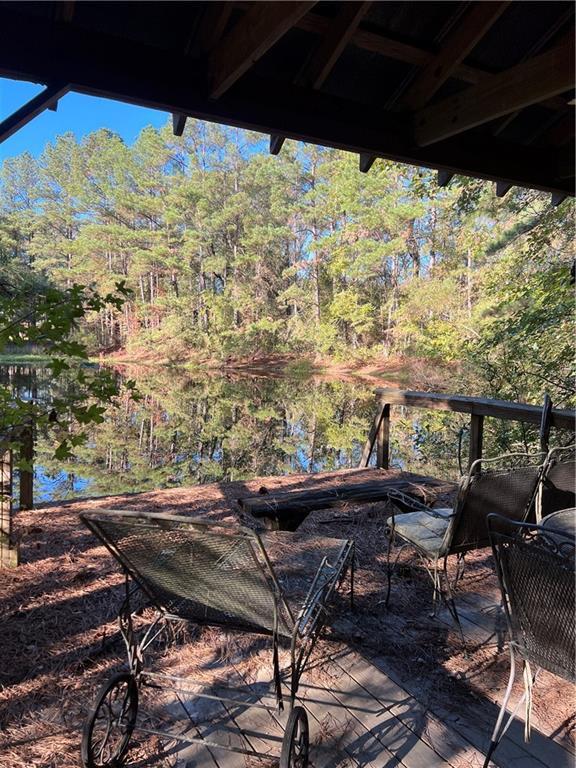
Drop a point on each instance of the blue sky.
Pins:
(76, 113)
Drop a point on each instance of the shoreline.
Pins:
(396, 370)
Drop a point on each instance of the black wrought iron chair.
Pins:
(279, 584)
(535, 568)
(558, 488)
(505, 484)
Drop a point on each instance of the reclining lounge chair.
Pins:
(278, 584)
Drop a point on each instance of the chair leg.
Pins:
(460, 568)
(352, 584)
(496, 734)
(389, 568)
(450, 602)
(437, 592)
(391, 564)
(499, 731)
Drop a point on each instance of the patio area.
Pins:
(384, 688)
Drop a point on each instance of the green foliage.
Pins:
(44, 317)
(204, 245)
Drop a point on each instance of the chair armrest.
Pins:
(325, 581)
(413, 504)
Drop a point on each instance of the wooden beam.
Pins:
(565, 163)
(366, 161)
(250, 39)
(476, 438)
(276, 143)
(542, 128)
(549, 33)
(178, 123)
(110, 67)
(214, 21)
(502, 188)
(557, 199)
(383, 440)
(387, 46)
(400, 51)
(31, 109)
(480, 406)
(333, 43)
(455, 47)
(382, 411)
(444, 178)
(562, 132)
(533, 81)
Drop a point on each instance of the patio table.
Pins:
(563, 521)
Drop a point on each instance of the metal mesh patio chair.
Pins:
(535, 568)
(505, 484)
(278, 584)
(558, 489)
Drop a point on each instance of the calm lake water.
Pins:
(190, 429)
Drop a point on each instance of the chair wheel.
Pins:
(110, 723)
(295, 743)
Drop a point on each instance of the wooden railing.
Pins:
(477, 407)
(25, 437)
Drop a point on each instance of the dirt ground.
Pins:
(60, 639)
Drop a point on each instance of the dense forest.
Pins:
(229, 252)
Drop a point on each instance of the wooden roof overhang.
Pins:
(484, 89)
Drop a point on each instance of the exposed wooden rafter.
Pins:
(214, 20)
(178, 123)
(543, 126)
(548, 35)
(110, 66)
(366, 161)
(333, 43)
(444, 178)
(249, 40)
(44, 100)
(502, 188)
(565, 163)
(401, 51)
(456, 46)
(557, 199)
(276, 143)
(528, 83)
(561, 133)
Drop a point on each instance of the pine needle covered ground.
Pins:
(60, 639)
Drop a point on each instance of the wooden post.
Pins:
(8, 553)
(545, 424)
(383, 439)
(27, 475)
(379, 436)
(476, 436)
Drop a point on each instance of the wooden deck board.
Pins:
(486, 618)
(443, 741)
(362, 715)
(379, 719)
(475, 725)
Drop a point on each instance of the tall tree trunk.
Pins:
(469, 282)
(413, 249)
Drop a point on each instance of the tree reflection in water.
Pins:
(191, 429)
